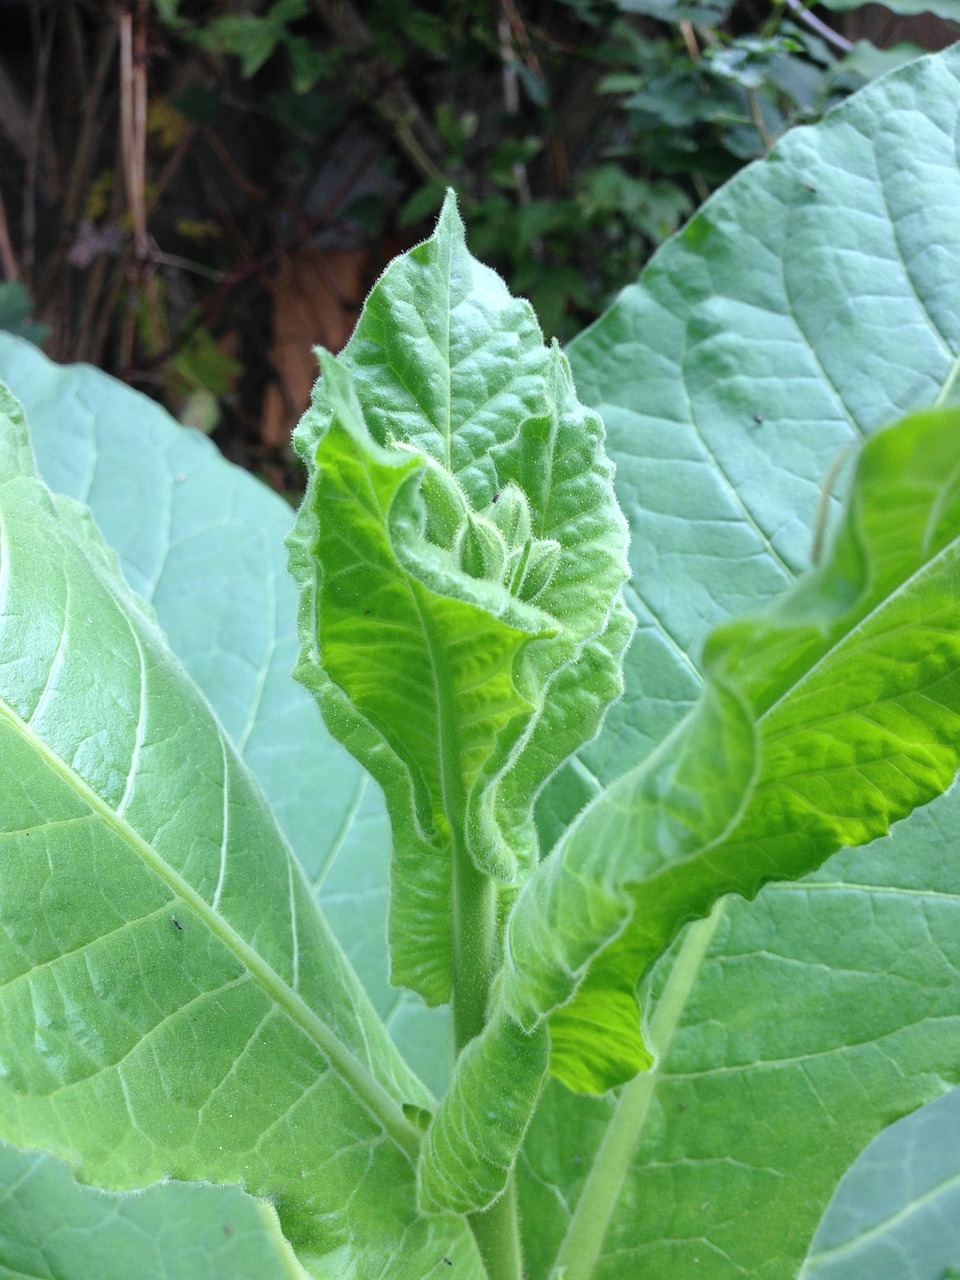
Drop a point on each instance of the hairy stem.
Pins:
(475, 959)
(474, 945)
(497, 1232)
(590, 1221)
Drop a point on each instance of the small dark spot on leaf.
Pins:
(682, 1106)
(758, 418)
(495, 499)
(227, 1229)
(176, 923)
(366, 613)
(576, 1159)
(448, 1262)
(810, 187)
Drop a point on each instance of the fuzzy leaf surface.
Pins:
(460, 556)
(176, 513)
(823, 722)
(472, 1142)
(131, 822)
(816, 1014)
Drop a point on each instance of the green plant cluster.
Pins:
(611, 907)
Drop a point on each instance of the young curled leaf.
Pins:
(460, 556)
(823, 721)
(473, 1140)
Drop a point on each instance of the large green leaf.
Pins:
(810, 302)
(129, 819)
(461, 556)
(791, 1030)
(175, 512)
(896, 1212)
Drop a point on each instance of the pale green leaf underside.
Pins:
(810, 302)
(460, 556)
(176, 513)
(158, 1018)
(823, 721)
(53, 1229)
(896, 1212)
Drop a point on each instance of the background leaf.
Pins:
(896, 1213)
(782, 324)
(54, 1229)
(942, 8)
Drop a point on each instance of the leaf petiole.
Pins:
(590, 1220)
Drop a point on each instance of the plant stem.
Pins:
(497, 1233)
(474, 944)
(474, 906)
(475, 957)
(580, 1250)
(497, 1229)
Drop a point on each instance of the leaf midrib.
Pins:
(367, 1088)
(926, 567)
(880, 1229)
(589, 1223)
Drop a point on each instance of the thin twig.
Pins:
(8, 261)
(690, 39)
(186, 264)
(815, 24)
(83, 154)
(511, 93)
(757, 118)
(383, 90)
(14, 116)
(234, 172)
(133, 119)
(90, 132)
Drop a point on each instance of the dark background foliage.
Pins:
(193, 192)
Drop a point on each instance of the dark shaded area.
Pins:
(195, 193)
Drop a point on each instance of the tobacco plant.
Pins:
(625, 831)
